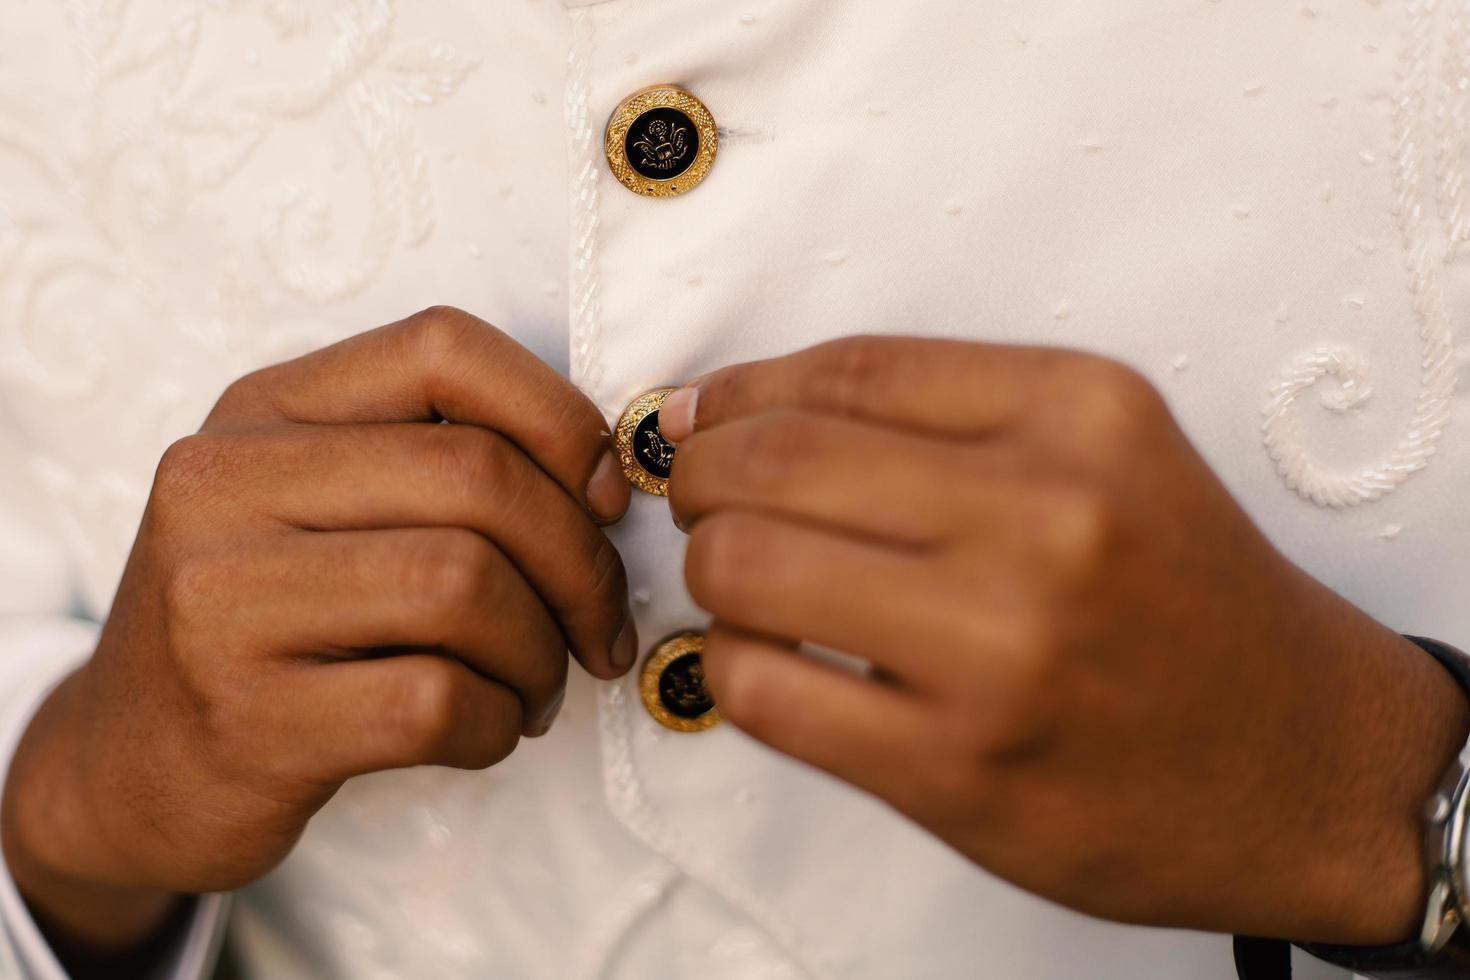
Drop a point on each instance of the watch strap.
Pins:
(1406, 961)
(1452, 660)
(1270, 959)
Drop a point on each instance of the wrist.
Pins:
(1434, 945)
(1417, 723)
(56, 852)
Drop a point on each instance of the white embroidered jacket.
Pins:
(1262, 205)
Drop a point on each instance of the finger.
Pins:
(431, 588)
(861, 731)
(1032, 521)
(777, 577)
(840, 472)
(359, 477)
(337, 720)
(946, 387)
(442, 364)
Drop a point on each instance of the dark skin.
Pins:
(326, 582)
(1092, 674)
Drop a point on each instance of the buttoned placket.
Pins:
(665, 614)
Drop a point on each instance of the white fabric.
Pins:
(1242, 198)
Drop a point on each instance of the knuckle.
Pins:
(1025, 672)
(466, 459)
(424, 710)
(454, 569)
(1117, 402)
(228, 708)
(1038, 676)
(210, 669)
(190, 454)
(437, 334)
(850, 370)
(744, 697)
(190, 584)
(241, 396)
(487, 751)
(744, 705)
(725, 553)
(188, 472)
(961, 771)
(551, 679)
(955, 777)
(774, 445)
(571, 420)
(438, 321)
(1079, 531)
(1035, 650)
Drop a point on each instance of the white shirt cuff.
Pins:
(35, 654)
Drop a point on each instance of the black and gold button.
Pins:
(661, 141)
(647, 457)
(672, 684)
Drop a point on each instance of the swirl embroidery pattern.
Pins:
(161, 128)
(1432, 225)
(297, 168)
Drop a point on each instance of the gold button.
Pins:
(673, 686)
(661, 141)
(647, 457)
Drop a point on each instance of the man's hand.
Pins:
(326, 582)
(1091, 673)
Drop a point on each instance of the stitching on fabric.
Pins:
(1420, 122)
(621, 783)
(586, 330)
(642, 895)
(585, 335)
(625, 796)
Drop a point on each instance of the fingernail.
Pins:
(676, 414)
(549, 715)
(625, 647)
(607, 491)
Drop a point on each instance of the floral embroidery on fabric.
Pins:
(162, 126)
(279, 132)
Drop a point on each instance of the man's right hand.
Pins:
(326, 582)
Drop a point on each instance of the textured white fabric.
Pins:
(1258, 204)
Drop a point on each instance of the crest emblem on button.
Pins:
(646, 456)
(673, 688)
(661, 141)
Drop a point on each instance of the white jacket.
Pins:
(1259, 204)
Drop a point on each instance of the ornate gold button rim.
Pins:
(665, 653)
(635, 105)
(638, 410)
